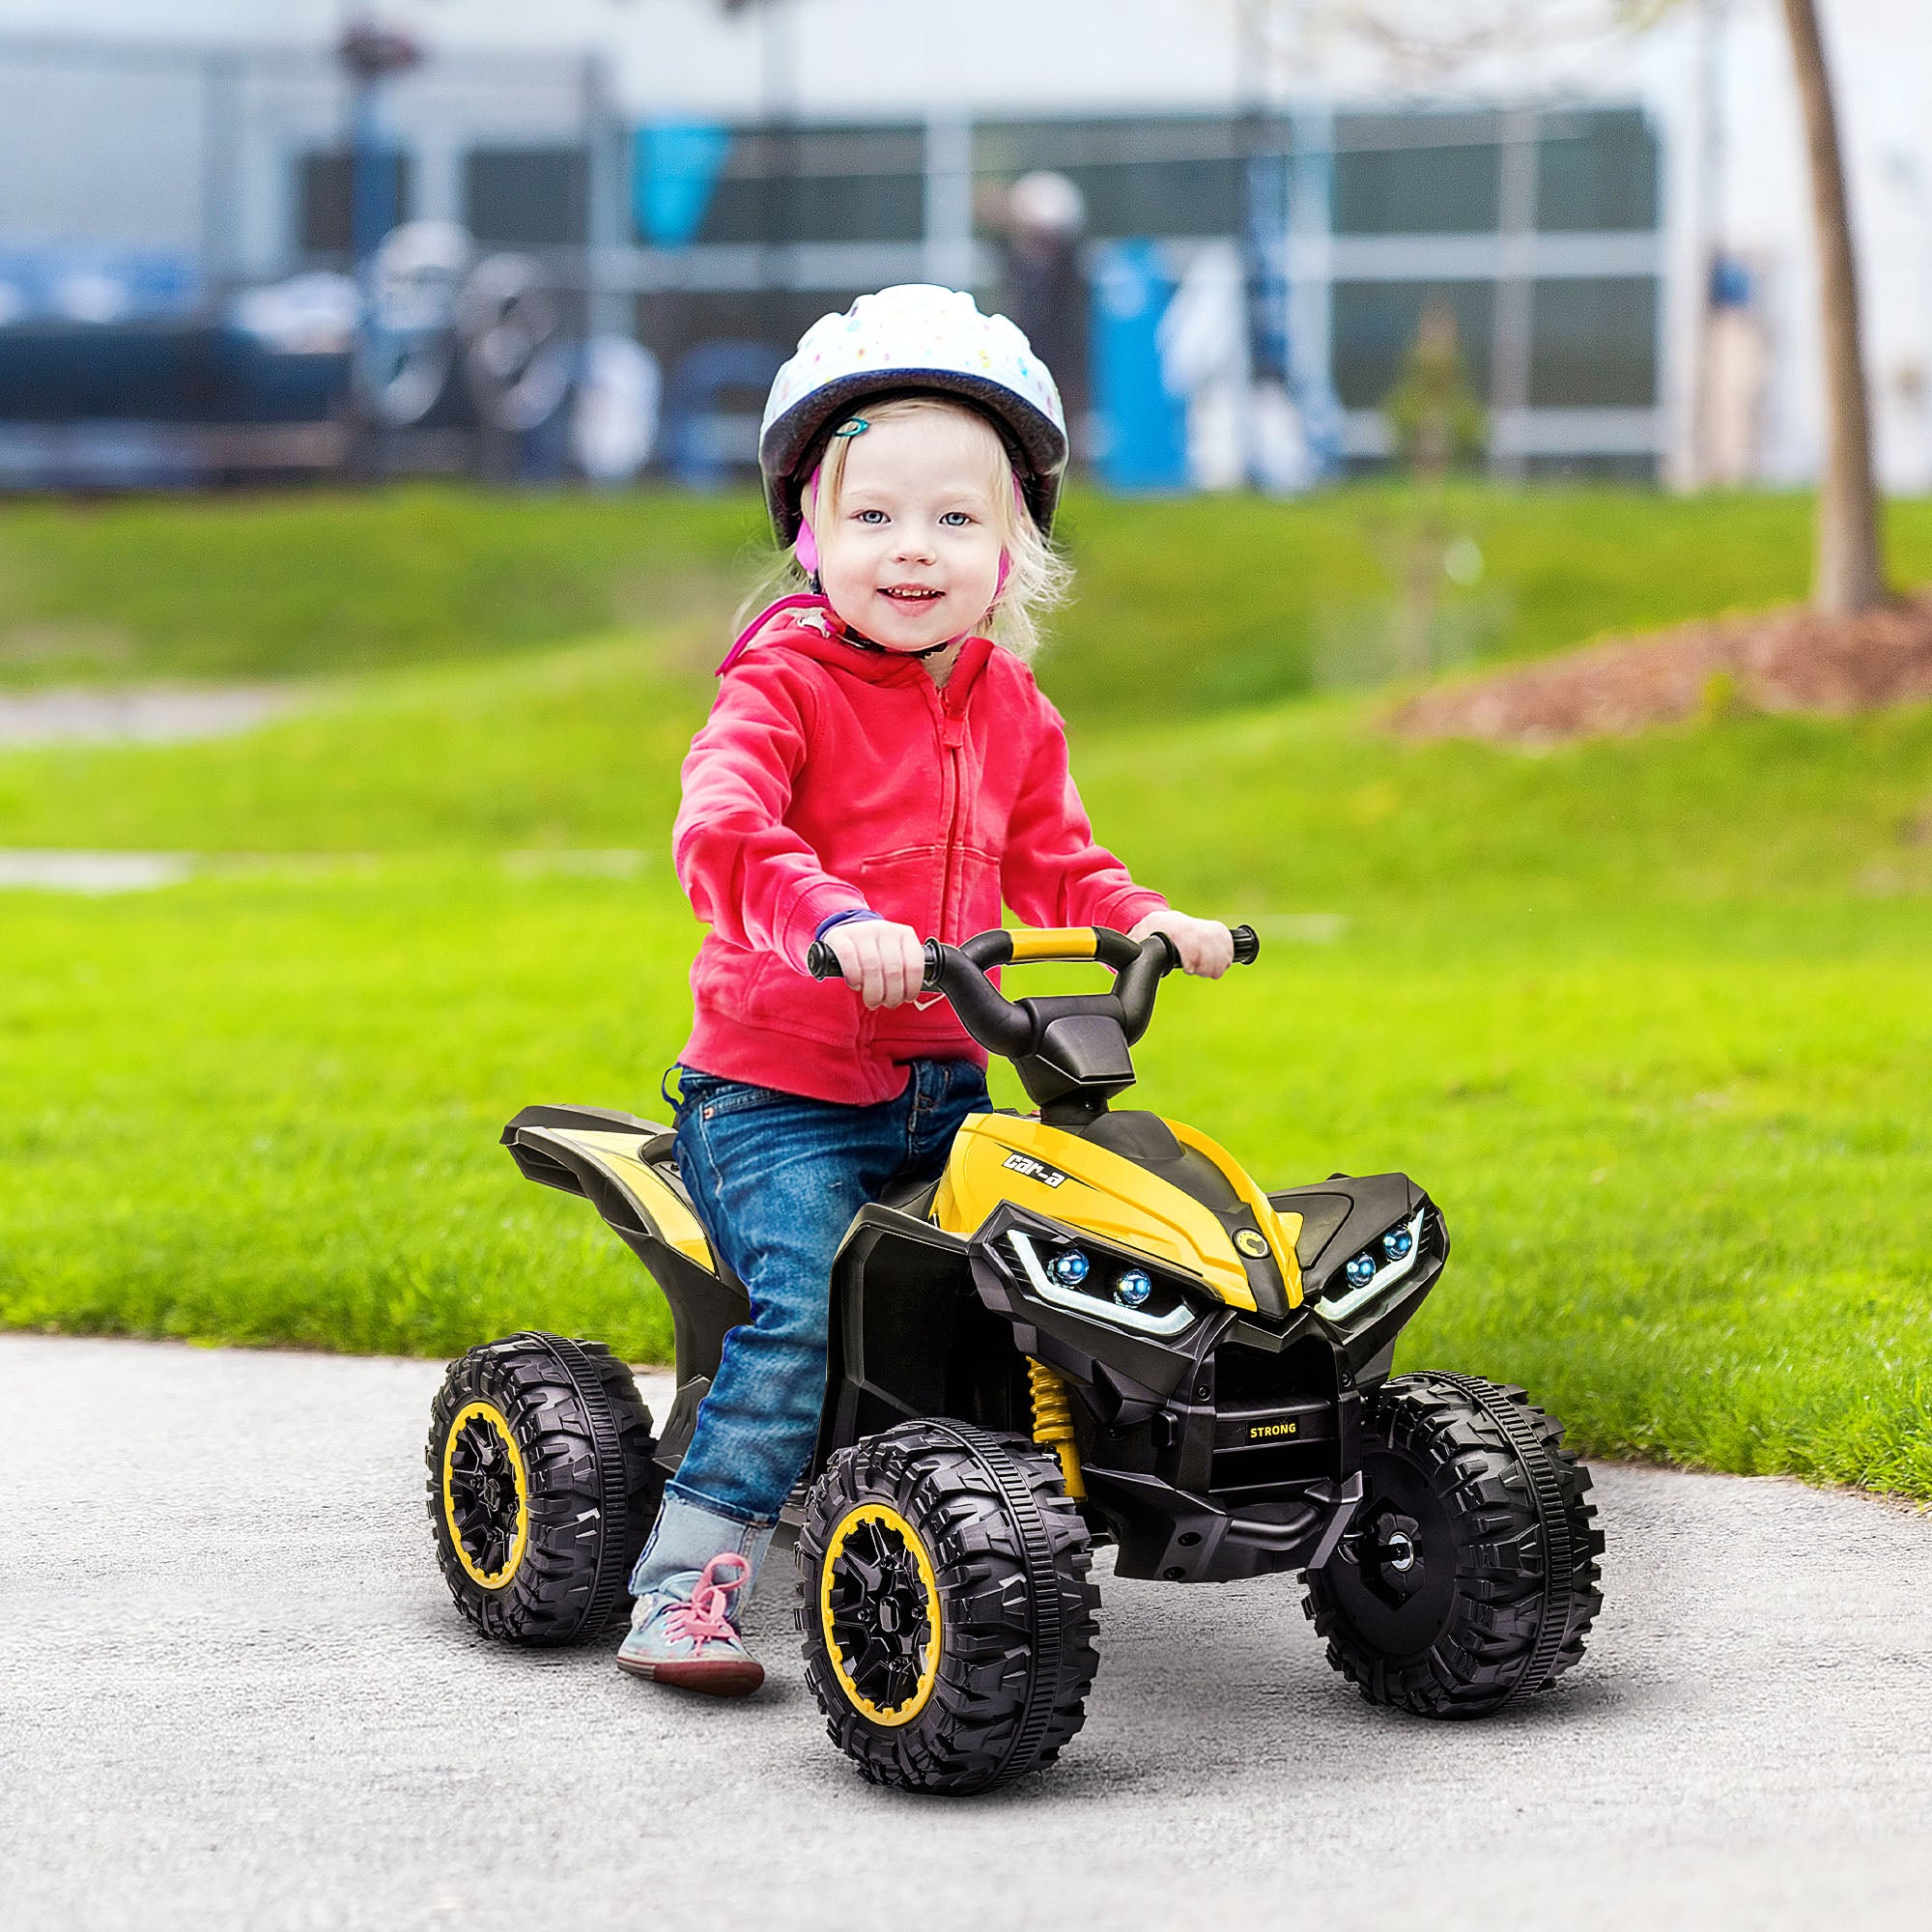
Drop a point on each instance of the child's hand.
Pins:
(884, 964)
(1205, 945)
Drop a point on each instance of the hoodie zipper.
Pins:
(951, 737)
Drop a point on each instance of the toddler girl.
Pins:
(875, 770)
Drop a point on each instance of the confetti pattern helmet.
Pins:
(910, 339)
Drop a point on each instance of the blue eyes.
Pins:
(953, 519)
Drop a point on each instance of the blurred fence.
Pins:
(1237, 299)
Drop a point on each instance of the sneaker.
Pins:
(682, 1633)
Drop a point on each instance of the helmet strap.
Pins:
(1021, 511)
(805, 547)
(848, 636)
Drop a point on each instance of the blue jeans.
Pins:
(777, 1179)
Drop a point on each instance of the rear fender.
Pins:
(623, 1166)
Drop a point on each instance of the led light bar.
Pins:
(1100, 1308)
(1383, 1278)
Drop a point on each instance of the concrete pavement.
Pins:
(234, 1693)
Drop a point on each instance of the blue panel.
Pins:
(675, 168)
(1142, 429)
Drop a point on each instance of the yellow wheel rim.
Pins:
(872, 1630)
(486, 1494)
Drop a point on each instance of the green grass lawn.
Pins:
(1652, 1020)
(1189, 605)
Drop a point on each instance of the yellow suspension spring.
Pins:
(1053, 1423)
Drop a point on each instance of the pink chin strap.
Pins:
(806, 546)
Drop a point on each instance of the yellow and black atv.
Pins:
(1095, 1329)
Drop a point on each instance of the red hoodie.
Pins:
(830, 778)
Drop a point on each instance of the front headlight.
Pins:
(1387, 1260)
(1098, 1286)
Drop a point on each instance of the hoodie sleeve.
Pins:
(1053, 873)
(752, 879)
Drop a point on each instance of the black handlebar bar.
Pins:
(1010, 1028)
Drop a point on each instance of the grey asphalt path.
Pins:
(234, 1693)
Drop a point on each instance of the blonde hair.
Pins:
(1037, 576)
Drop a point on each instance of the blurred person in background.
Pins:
(1046, 285)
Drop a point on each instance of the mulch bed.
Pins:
(1791, 660)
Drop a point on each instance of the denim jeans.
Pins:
(777, 1179)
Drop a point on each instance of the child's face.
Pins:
(914, 558)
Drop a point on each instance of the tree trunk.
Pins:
(1850, 569)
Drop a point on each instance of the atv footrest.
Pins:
(1188, 1539)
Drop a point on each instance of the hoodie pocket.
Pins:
(976, 894)
(917, 887)
(907, 886)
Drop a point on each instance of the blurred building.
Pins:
(1617, 223)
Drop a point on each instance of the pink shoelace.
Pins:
(703, 1619)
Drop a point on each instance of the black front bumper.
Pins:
(1228, 1449)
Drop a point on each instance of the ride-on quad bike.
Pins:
(1095, 1327)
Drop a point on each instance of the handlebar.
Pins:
(1010, 1028)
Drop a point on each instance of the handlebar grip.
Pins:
(1247, 945)
(822, 963)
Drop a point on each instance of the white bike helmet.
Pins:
(914, 337)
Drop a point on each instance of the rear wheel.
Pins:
(948, 1620)
(541, 1486)
(1468, 1578)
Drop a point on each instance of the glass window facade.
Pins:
(1424, 174)
(1592, 339)
(527, 197)
(820, 185)
(672, 324)
(1596, 173)
(1424, 191)
(1170, 176)
(1374, 322)
(324, 209)
(1593, 344)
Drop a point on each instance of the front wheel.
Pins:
(1468, 1578)
(948, 1620)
